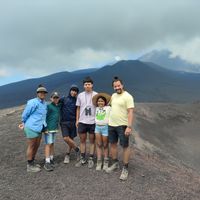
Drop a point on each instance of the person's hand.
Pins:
(128, 131)
(76, 124)
(21, 126)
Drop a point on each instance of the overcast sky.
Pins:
(39, 37)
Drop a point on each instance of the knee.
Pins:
(66, 139)
(105, 145)
(99, 144)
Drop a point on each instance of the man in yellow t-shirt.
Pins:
(120, 125)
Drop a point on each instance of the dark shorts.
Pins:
(68, 129)
(118, 132)
(86, 128)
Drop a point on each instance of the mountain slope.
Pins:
(164, 58)
(146, 81)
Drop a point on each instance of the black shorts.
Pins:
(118, 132)
(68, 129)
(86, 128)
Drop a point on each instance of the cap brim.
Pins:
(105, 95)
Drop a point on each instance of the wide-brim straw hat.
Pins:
(105, 95)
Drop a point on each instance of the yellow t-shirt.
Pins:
(120, 103)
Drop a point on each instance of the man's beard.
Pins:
(119, 91)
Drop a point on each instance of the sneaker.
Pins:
(82, 161)
(67, 159)
(52, 162)
(99, 165)
(105, 164)
(48, 167)
(124, 174)
(35, 164)
(113, 167)
(33, 168)
(90, 163)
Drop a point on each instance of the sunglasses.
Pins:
(55, 97)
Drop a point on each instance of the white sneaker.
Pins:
(67, 159)
(113, 167)
(105, 164)
(81, 162)
(33, 168)
(124, 174)
(99, 165)
(90, 163)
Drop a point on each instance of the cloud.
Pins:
(41, 37)
(4, 73)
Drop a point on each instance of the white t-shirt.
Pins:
(87, 108)
(102, 115)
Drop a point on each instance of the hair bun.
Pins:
(116, 78)
(40, 85)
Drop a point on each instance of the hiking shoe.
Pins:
(33, 168)
(90, 163)
(99, 165)
(52, 162)
(48, 167)
(113, 167)
(124, 174)
(67, 159)
(82, 161)
(105, 164)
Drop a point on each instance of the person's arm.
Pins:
(30, 108)
(77, 115)
(130, 122)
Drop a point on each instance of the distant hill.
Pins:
(164, 58)
(148, 82)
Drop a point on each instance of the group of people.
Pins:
(103, 118)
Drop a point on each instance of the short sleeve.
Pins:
(129, 102)
(78, 101)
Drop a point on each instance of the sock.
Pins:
(68, 153)
(30, 162)
(47, 160)
(51, 157)
(126, 165)
(77, 149)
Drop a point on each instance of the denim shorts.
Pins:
(49, 138)
(116, 133)
(103, 130)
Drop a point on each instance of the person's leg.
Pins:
(30, 153)
(124, 142)
(31, 148)
(105, 146)
(36, 146)
(99, 145)
(113, 139)
(71, 143)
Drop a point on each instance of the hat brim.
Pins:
(105, 95)
(42, 92)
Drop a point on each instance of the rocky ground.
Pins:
(158, 169)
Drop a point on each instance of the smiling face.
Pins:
(41, 95)
(118, 87)
(101, 102)
(55, 100)
(73, 93)
(88, 86)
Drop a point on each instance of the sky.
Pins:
(41, 37)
